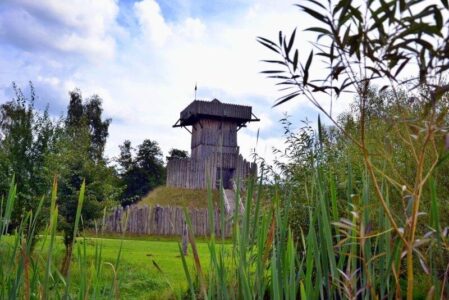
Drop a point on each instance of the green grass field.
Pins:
(138, 275)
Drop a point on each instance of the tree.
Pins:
(149, 160)
(75, 110)
(142, 173)
(98, 128)
(88, 114)
(128, 174)
(80, 159)
(379, 43)
(125, 159)
(177, 154)
(27, 139)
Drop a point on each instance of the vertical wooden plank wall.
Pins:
(194, 174)
(158, 220)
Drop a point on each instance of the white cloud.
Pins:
(151, 21)
(91, 17)
(53, 81)
(265, 123)
(83, 27)
(192, 28)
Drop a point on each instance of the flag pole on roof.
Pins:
(196, 88)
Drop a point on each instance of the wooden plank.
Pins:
(162, 221)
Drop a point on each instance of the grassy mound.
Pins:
(172, 196)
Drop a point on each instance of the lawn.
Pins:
(138, 276)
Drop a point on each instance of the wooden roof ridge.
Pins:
(215, 99)
(215, 109)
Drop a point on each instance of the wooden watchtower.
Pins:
(215, 156)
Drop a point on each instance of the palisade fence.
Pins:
(163, 220)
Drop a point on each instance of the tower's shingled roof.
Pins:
(215, 109)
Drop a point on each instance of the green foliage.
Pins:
(98, 269)
(19, 273)
(35, 148)
(33, 275)
(399, 141)
(27, 139)
(142, 172)
(376, 37)
(177, 154)
(304, 151)
(79, 158)
(350, 257)
(125, 159)
(88, 116)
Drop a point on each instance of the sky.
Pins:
(144, 57)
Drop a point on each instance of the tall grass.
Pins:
(28, 273)
(349, 251)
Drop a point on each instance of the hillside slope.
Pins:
(171, 196)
